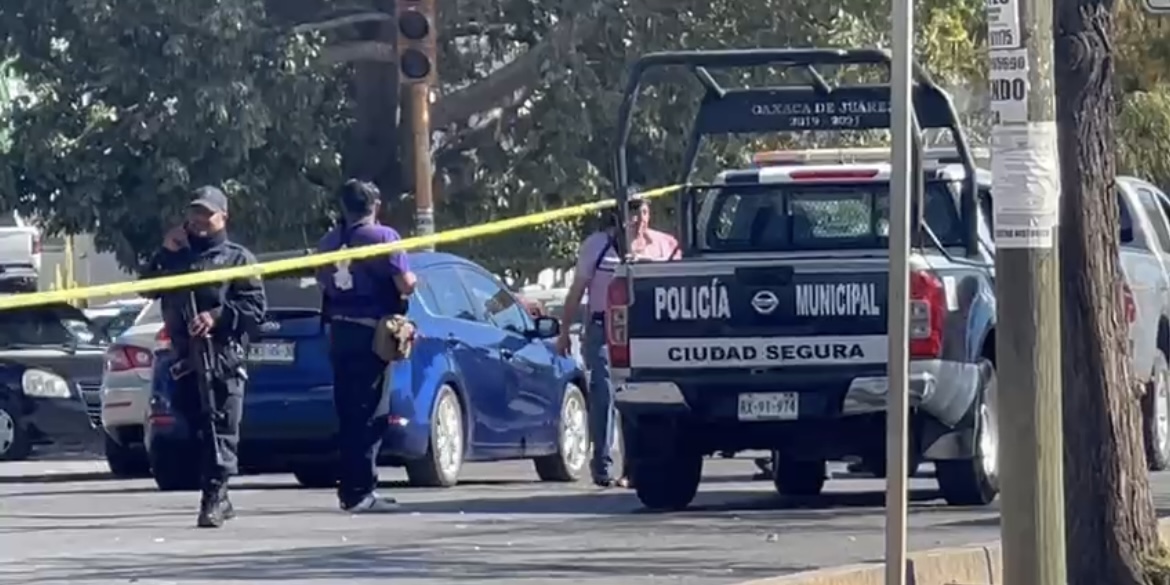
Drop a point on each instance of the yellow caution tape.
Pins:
(309, 261)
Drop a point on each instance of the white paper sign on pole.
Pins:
(1009, 85)
(1026, 184)
(1003, 24)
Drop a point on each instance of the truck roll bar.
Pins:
(816, 105)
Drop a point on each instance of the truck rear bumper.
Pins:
(943, 389)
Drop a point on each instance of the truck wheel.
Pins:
(975, 481)
(126, 462)
(665, 473)
(1156, 415)
(798, 478)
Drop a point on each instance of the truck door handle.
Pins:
(453, 341)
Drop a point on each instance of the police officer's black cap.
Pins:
(211, 199)
(358, 196)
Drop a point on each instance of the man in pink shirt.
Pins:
(594, 271)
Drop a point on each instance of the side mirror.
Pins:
(1127, 235)
(546, 328)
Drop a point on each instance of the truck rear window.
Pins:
(798, 217)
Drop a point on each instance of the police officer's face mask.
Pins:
(202, 222)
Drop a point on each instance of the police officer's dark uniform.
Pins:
(232, 311)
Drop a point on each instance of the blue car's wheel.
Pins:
(572, 456)
(444, 459)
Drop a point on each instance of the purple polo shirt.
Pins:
(362, 288)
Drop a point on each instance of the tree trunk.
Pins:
(1110, 518)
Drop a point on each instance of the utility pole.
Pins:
(1026, 194)
(417, 57)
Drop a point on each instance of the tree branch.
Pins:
(334, 22)
(359, 51)
(526, 70)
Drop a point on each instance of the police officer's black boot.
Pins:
(215, 507)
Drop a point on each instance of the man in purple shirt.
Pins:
(356, 294)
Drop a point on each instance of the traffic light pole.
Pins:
(417, 50)
(1026, 188)
(418, 95)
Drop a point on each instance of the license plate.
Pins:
(772, 406)
(272, 353)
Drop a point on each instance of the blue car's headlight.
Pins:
(42, 384)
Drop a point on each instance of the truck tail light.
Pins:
(1128, 304)
(927, 311)
(617, 333)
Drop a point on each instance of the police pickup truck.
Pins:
(770, 332)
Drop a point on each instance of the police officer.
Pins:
(357, 295)
(224, 314)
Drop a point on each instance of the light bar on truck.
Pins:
(842, 156)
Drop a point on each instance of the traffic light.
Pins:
(416, 40)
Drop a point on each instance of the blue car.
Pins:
(484, 384)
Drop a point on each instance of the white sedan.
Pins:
(126, 382)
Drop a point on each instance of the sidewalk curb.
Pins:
(979, 564)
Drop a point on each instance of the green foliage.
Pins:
(7, 89)
(1143, 88)
(1143, 134)
(566, 136)
(135, 102)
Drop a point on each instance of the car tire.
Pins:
(1156, 415)
(444, 459)
(126, 462)
(571, 459)
(174, 469)
(975, 481)
(800, 479)
(14, 440)
(665, 472)
(318, 476)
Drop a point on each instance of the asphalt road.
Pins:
(501, 527)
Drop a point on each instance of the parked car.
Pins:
(483, 384)
(125, 391)
(20, 242)
(1144, 212)
(1144, 259)
(17, 279)
(115, 317)
(49, 379)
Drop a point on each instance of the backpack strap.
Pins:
(610, 244)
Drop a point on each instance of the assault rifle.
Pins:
(201, 360)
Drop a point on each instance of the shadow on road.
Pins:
(114, 486)
(442, 564)
(51, 477)
(625, 502)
